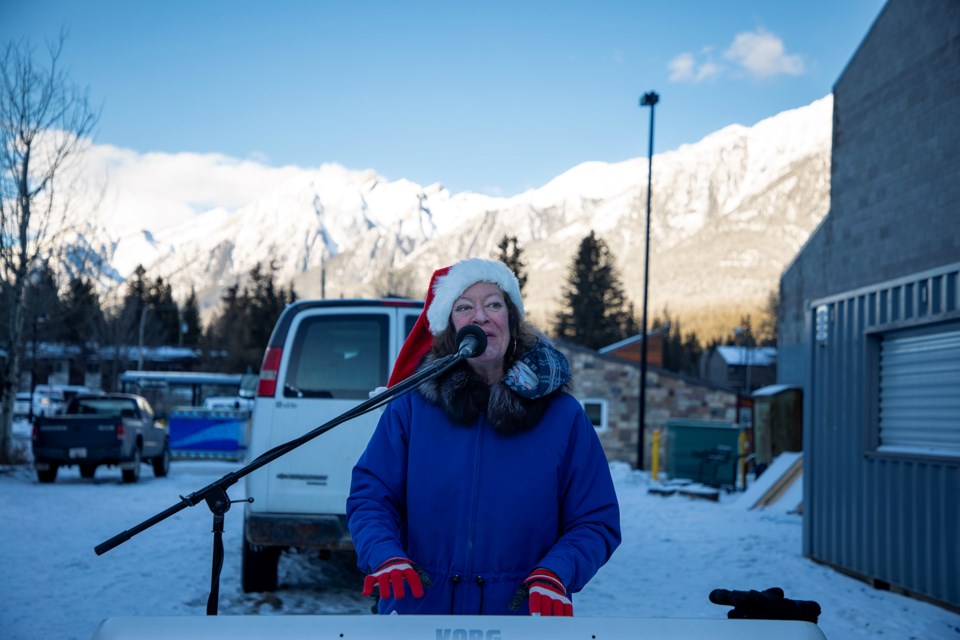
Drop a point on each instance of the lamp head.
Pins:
(649, 99)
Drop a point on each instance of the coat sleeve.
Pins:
(376, 506)
(589, 511)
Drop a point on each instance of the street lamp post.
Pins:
(143, 322)
(649, 99)
(738, 332)
(745, 349)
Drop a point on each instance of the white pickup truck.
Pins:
(323, 358)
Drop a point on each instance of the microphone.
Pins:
(471, 341)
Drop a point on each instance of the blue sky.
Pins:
(494, 97)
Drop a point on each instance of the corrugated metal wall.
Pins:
(891, 516)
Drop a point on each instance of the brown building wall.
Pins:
(633, 350)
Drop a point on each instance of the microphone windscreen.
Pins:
(477, 334)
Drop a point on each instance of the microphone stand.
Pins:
(215, 493)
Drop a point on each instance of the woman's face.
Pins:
(483, 304)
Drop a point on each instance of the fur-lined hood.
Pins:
(514, 404)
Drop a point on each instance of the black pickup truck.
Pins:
(109, 429)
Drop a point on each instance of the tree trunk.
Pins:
(13, 374)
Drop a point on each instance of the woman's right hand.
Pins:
(390, 577)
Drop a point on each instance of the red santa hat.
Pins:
(446, 285)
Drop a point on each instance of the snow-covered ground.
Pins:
(675, 551)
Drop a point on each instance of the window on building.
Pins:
(596, 410)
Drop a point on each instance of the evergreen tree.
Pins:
(190, 317)
(41, 305)
(227, 333)
(125, 323)
(80, 318)
(681, 354)
(742, 335)
(692, 350)
(511, 254)
(137, 286)
(264, 307)
(767, 329)
(149, 307)
(164, 316)
(241, 329)
(596, 312)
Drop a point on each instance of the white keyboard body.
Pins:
(295, 627)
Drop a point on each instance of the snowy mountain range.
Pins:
(728, 214)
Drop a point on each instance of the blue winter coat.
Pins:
(476, 508)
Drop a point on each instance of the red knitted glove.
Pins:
(391, 574)
(548, 597)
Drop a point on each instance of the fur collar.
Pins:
(464, 396)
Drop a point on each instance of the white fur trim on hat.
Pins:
(461, 277)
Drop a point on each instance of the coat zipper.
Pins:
(473, 507)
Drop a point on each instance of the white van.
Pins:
(323, 359)
(51, 399)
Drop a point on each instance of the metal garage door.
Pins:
(920, 390)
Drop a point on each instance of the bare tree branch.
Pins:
(45, 124)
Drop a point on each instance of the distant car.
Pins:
(107, 429)
(52, 399)
(229, 403)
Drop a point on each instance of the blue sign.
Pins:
(214, 434)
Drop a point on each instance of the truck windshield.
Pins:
(104, 407)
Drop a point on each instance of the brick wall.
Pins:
(669, 396)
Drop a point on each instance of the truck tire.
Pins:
(258, 567)
(87, 470)
(48, 475)
(161, 464)
(132, 475)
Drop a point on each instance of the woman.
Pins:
(485, 491)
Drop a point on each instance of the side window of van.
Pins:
(338, 356)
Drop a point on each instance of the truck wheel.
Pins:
(258, 567)
(132, 475)
(161, 464)
(47, 475)
(87, 470)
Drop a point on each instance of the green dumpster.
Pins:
(703, 451)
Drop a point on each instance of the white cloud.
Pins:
(159, 190)
(682, 68)
(686, 67)
(762, 54)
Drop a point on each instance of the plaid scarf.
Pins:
(539, 372)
